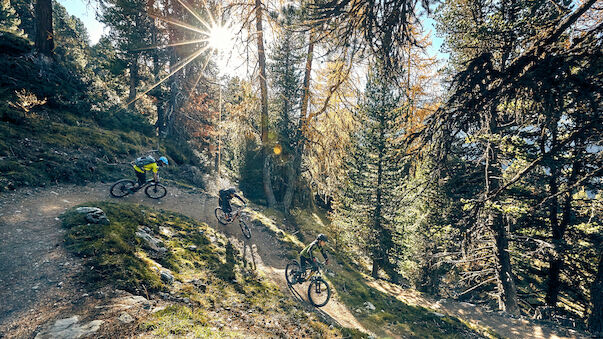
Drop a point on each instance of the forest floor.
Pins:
(39, 277)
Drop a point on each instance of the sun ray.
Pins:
(187, 7)
(211, 17)
(178, 23)
(199, 77)
(171, 45)
(184, 62)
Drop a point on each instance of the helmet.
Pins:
(322, 237)
(164, 160)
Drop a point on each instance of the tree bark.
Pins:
(379, 252)
(294, 170)
(264, 103)
(133, 81)
(505, 272)
(159, 104)
(44, 40)
(507, 288)
(595, 321)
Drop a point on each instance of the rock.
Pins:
(369, 306)
(69, 328)
(192, 248)
(94, 215)
(167, 277)
(151, 242)
(199, 285)
(125, 318)
(438, 314)
(86, 210)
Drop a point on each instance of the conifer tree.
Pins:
(375, 171)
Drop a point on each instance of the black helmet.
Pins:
(322, 237)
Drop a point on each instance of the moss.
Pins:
(179, 320)
(110, 249)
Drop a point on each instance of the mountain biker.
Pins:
(225, 195)
(144, 164)
(307, 255)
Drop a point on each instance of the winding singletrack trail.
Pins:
(39, 278)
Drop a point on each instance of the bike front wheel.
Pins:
(221, 216)
(122, 188)
(245, 229)
(319, 292)
(155, 191)
(292, 272)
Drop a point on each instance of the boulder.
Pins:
(94, 215)
(369, 306)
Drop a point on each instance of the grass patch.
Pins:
(110, 250)
(178, 320)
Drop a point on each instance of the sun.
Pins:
(221, 38)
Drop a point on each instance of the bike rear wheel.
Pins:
(319, 292)
(244, 228)
(122, 188)
(155, 191)
(292, 272)
(221, 216)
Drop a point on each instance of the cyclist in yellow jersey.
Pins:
(143, 165)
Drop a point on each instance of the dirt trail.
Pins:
(502, 325)
(39, 276)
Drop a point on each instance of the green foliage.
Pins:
(9, 20)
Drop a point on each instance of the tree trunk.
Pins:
(159, 104)
(379, 252)
(595, 321)
(505, 272)
(294, 171)
(558, 241)
(133, 81)
(44, 33)
(506, 279)
(267, 180)
(264, 102)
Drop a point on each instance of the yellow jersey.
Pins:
(149, 167)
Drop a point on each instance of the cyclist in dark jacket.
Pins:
(224, 201)
(308, 256)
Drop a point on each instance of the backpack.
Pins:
(142, 161)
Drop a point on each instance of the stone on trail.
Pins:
(125, 318)
(69, 328)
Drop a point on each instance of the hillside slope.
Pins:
(43, 284)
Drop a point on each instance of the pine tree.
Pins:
(375, 170)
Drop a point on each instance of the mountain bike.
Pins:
(152, 189)
(237, 214)
(319, 292)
